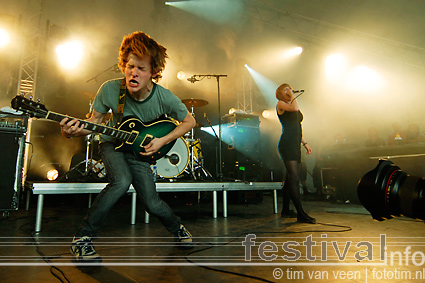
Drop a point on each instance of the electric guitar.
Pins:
(132, 133)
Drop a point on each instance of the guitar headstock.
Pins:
(34, 109)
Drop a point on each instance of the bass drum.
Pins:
(175, 162)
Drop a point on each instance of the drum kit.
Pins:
(185, 157)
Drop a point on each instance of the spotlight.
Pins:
(52, 174)
(335, 66)
(298, 50)
(388, 192)
(266, 114)
(363, 77)
(70, 54)
(181, 75)
(289, 53)
(4, 38)
(232, 110)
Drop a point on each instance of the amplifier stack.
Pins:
(12, 147)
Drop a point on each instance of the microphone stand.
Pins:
(220, 172)
(113, 68)
(217, 170)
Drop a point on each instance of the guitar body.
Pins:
(145, 133)
(132, 133)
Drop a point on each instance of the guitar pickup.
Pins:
(146, 140)
(132, 138)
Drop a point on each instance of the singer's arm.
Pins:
(305, 145)
(287, 106)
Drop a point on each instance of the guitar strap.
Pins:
(121, 102)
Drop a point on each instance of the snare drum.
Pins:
(175, 162)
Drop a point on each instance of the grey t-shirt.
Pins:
(160, 101)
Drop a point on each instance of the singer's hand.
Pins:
(308, 149)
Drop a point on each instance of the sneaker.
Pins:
(183, 236)
(82, 249)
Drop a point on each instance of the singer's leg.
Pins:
(293, 170)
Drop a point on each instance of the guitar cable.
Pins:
(212, 245)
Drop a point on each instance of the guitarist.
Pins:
(142, 60)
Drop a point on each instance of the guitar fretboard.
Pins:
(109, 131)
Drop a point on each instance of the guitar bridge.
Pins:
(132, 138)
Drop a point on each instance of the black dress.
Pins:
(290, 141)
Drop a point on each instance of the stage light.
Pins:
(335, 66)
(181, 75)
(293, 52)
(266, 86)
(232, 110)
(267, 114)
(210, 130)
(70, 54)
(52, 174)
(364, 78)
(4, 38)
(297, 50)
(217, 11)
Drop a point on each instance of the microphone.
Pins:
(297, 91)
(192, 79)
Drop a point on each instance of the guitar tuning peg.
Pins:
(38, 100)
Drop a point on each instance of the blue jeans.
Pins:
(124, 169)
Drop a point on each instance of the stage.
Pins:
(146, 252)
(53, 188)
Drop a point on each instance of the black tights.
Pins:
(291, 190)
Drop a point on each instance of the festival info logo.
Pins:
(405, 261)
(296, 252)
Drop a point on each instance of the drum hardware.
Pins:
(175, 162)
(196, 158)
(186, 154)
(89, 142)
(193, 80)
(192, 103)
(92, 168)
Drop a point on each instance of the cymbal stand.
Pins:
(89, 144)
(196, 162)
(89, 165)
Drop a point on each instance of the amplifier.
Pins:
(13, 124)
(12, 148)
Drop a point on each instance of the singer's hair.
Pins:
(142, 44)
(279, 89)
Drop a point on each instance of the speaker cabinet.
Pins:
(241, 156)
(12, 145)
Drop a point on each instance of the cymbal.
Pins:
(194, 102)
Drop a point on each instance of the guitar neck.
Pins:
(109, 131)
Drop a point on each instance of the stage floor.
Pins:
(146, 252)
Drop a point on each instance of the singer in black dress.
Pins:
(289, 147)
